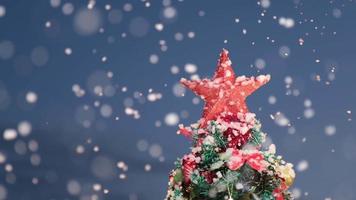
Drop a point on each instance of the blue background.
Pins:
(328, 31)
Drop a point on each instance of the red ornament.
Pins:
(230, 118)
(278, 192)
(225, 92)
(188, 166)
(237, 140)
(235, 137)
(209, 176)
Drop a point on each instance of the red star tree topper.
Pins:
(225, 92)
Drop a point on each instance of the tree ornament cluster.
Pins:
(226, 160)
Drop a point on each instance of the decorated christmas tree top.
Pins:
(226, 160)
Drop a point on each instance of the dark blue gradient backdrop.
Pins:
(90, 100)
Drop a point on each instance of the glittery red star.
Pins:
(225, 92)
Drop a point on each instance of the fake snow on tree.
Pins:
(239, 186)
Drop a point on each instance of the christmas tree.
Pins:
(227, 160)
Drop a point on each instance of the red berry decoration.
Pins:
(209, 176)
(188, 166)
(235, 138)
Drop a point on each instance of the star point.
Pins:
(225, 92)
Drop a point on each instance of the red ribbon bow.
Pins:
(239, 158)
